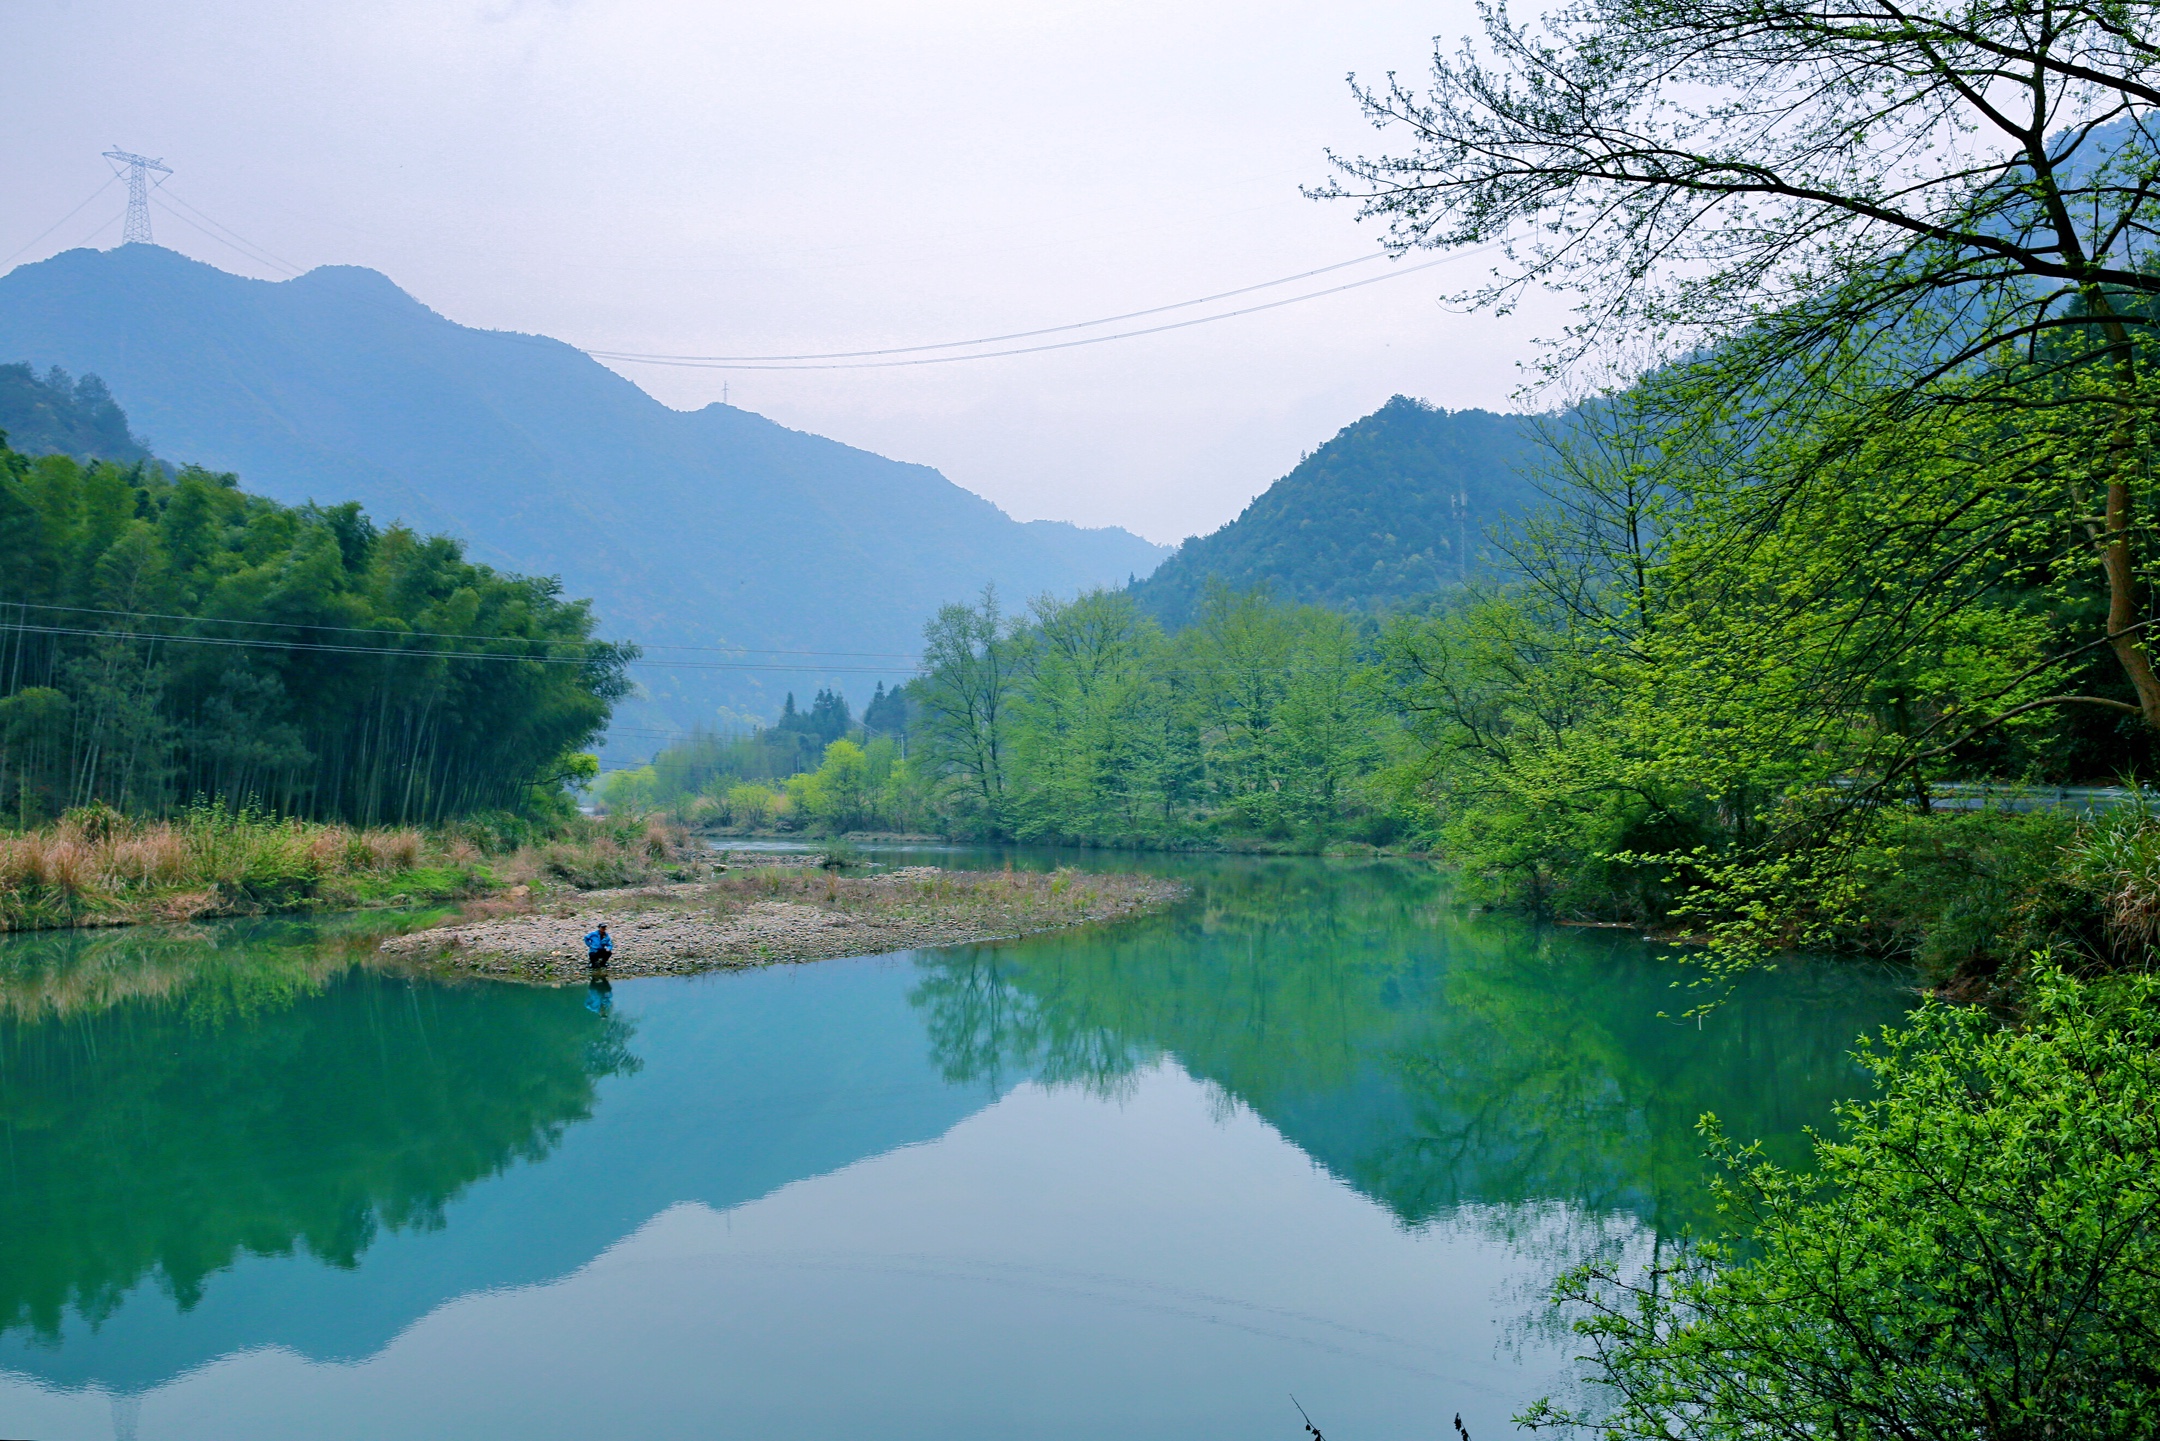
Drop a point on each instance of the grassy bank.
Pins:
(98, 868)
(1971, 897)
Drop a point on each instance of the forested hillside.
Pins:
(57, 414)
(1395, 505)
(172, 639)
(715, 527)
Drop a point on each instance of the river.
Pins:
(1317, 1132)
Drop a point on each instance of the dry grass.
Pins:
(100, 868)
(103, 869)
(603, 859)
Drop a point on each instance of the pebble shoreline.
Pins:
(776, 918)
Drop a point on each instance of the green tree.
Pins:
(966, 696)
(208, 643)
(1086, 668)
(1871, 202)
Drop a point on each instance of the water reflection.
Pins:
(216, 1139)
(222, 970)
(1430, 1058)
(240, 1142)
(165, 1141)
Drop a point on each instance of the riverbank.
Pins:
(775, 915)
(99, 868)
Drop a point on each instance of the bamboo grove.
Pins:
(168, 640)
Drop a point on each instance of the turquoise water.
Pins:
(1315, 1132)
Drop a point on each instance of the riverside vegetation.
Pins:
(1875, 511)
(97, 867)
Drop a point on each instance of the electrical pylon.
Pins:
(138, 212)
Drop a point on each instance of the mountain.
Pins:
(56, 414)
(714, 527)
(1396, 505)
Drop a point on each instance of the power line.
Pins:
(1038, 349)
(237, 241)
(990, 339)
(246, 644)
(444, 634)
(242, 251)
(110, 181)
(869, 359)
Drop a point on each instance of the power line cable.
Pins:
(234, 245)
(848, 360)
(166, 193)
(409, 654)
(1038, 349)
(992, 339)
(444, 634)
(110, 181)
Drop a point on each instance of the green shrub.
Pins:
(1976, 1255)
(1970, 894)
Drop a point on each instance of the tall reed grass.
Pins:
(97, 866)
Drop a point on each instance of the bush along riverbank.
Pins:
(1968, 898)
(95, 867)
(1974, 1254)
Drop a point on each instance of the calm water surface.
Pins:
(1316, 1132)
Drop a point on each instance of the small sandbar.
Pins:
(774, 915)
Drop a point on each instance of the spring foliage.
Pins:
(1083, 720)
(1976, 1253)
(165, 639)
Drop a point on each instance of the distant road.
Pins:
(1977, 795)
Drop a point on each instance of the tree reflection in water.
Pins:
(1435, 1060)
(147, 1130)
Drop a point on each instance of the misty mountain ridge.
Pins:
(1394, 506)
(706, 528)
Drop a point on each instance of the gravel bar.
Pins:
(775, 916)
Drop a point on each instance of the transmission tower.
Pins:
(138, 214)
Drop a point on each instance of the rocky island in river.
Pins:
(771, 915)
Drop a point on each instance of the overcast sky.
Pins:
(704, 177)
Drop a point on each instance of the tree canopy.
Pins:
(166, 639)
(1880, 209)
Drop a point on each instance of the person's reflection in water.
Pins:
(599, 996)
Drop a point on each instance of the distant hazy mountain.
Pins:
(1396, 505)
(696, 528)
(56, 414)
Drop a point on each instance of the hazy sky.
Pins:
(819, 175)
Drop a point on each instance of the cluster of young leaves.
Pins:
(169, 638)
(1976, 1253)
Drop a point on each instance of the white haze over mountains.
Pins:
(688, 176)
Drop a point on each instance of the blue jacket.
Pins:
(595, 941)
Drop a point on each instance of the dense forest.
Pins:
(1080, 720)
(169, 639)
